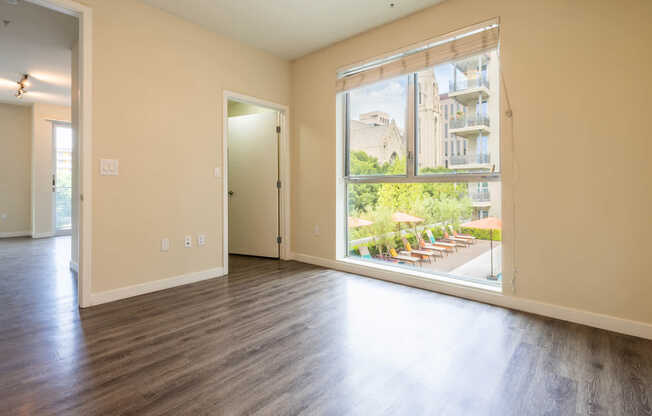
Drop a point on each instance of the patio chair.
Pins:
(435, 248)
(403, 258)
(364, 252)
(455, 234)
(425, 254)
(435, 242)
(460, 242)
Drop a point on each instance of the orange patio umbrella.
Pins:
(358, 222)
(403, 217)
(491, 224)
(399, 217)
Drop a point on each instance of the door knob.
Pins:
(230, 193)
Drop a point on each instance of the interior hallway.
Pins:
(279, 337)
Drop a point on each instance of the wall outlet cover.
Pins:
(109, 167)
(165, 244)
(201, 239)
(188, 241)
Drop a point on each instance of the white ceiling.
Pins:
(37, 41)
(290, 28)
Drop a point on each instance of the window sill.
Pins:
(420, 277)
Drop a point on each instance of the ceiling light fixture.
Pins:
(21, 86)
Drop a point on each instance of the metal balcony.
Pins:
(480, 196)
(467, 84)
(477, 159)
(469, 126)
(467, 91)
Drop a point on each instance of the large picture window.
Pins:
(422, 161)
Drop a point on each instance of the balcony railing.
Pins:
(467, 84)
(482, 158)
(469, 121)
(481, 196)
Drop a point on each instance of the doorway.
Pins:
(47, 75)
(256, 179)
(62, 157)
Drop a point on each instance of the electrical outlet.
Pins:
(201, 239)
(188, 241)
(165, 244)
(316, 231)
(3, 216)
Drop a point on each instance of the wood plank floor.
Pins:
(286, 338)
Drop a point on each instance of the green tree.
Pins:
(360, 163)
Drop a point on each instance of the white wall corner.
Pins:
(154, 286)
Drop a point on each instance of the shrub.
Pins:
(397, 241)
(483, 234)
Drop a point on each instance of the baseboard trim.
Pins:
(43, 235)
(74, 266)
(12, 234)
(154, 286)
(596, 320)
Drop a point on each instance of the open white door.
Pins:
(253, 174)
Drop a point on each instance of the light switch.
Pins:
(109, 167)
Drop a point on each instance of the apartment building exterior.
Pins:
(457, 127)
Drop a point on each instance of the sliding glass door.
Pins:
(62, 178)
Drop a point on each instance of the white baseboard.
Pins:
(74, 266)
(11, 234)
(154, 286)
(610, 323)
(43, 235)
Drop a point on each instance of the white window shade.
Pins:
(456, 47)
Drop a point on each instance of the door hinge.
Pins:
(278, 184)
(81, 197)
(279, 239)
(278, 129)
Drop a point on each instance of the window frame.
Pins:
(409, 129)
(411, 175)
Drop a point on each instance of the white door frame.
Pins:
(55, 124)
(284, 174)
(84, 219)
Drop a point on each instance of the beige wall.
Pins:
(157, 107)
(42, 166)
(578, 77)
(15, 156)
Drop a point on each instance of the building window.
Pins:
(418, 210)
